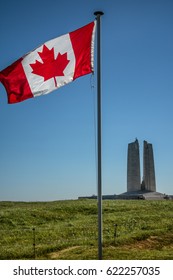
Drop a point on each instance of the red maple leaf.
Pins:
(50, 67)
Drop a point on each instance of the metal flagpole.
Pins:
(98, 14)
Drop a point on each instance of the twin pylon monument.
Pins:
(134, 182)
(141, 187)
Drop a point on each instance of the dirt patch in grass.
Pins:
(59, 254)
(153, 242)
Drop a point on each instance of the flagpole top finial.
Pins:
(98, 13)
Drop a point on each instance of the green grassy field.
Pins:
(68, 230)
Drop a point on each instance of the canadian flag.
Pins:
(50, 66)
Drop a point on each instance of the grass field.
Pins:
(68, 230)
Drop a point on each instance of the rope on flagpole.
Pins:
(94, 100)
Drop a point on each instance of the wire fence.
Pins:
(42, 242)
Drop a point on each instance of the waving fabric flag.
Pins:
(50, 66)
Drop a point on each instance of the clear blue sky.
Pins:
(47, 144)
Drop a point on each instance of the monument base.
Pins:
(148, 195)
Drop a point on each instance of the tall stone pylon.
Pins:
(149, 181)
(133, 167)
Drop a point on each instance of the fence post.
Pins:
(115, 232)
(34, 243)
